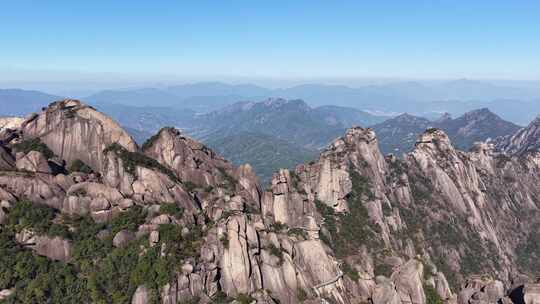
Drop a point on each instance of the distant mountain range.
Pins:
(16, 102)
(290, 120)
(291, 129)
(398, 135)
(422, 99)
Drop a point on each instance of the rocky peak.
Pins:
(200, 168)
(434, 138)
(75, 131)
(349, 227)
(280, 102)
(525, 140)
(405, 117)
(479, 113)
(189, 159)
(444, 117)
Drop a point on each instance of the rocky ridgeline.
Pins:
(353, 226)
(525, 140)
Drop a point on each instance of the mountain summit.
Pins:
(398, 134)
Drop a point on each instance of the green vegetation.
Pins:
(171, 209)
(221, 298)
(528, 252)
(299, 232)
(128, 220)
(224, 241)
(265, 153)
(39, 218)
(229, 181)
(189, 186)
(450, 232)
(421, 188)
(278, 226)
(34, 144)
(350, 272)
(432, 297)
(397, 169)
(386, 209)
(349, 231)
(244, 299)
(79, 166)
(150, 141)
(301, 295)
(382, 269)
(277, 252)
(132, 160)
(97, 272)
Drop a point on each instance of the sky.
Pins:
(160, 40)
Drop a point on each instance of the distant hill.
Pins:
(147, 120)
(334, 115)
(457, 97)
(477, 125)
(140, 136)
(137, 97)
(17, 102)
(290, 120)
(217, 89)
(264, 153)
(398, 135)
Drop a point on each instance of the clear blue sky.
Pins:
(422, 39)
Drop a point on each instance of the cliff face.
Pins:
(186, 225)
(76, 131)
(525, 140)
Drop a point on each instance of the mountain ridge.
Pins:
(351, 225)
(398, 134)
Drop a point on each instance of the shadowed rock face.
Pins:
(189, 159)
(74, 131)
(349, 227)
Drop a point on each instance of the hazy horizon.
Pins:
(277, 44)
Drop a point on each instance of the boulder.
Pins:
(54, 248)
(123, 238)
(141, 295)
(236, 203)
(409, 283)
(385, 293)
(531, 293)
(494, 291)
(99, 204)
(5, 293)
(4, 206)
(33, 161)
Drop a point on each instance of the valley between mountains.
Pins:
(90, 216)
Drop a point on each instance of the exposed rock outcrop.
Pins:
(525, 140)
(54, 248)
(350, 227)
(10, 123)
(75, 131)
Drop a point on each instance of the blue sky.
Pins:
(277, 39)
